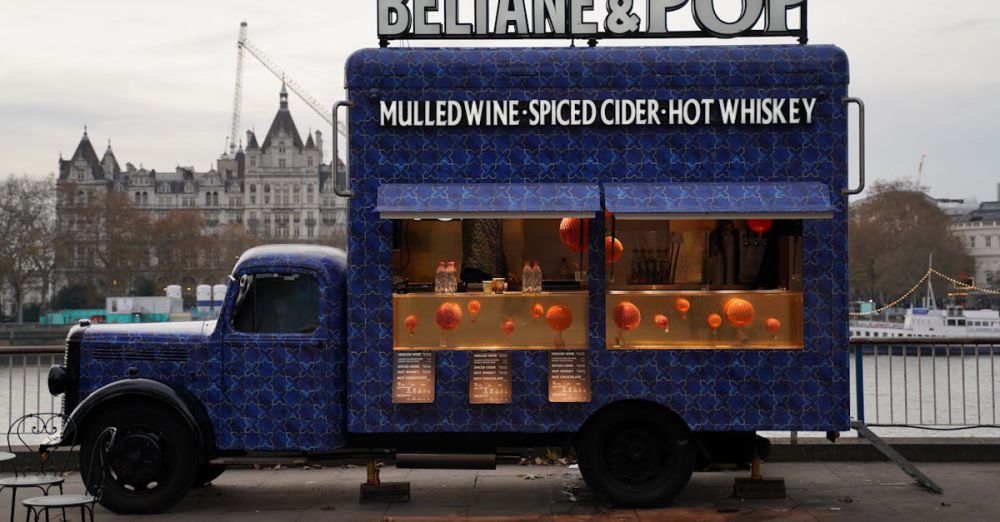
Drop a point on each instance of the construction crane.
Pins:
(920, 171)
(243, 43)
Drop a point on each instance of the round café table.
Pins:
(4, 456)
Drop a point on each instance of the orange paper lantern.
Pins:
(759, 226)
(662, 322)
(474, 306)
(772, 325)
(739, 312)
(627, 316)
(613, 250)
(537, 311)
(410, 323)
(569, 233)
(559, 317)
(448, 316)
(715, 321)
(682, 305)
(507, 326)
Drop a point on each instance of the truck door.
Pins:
(274, 364)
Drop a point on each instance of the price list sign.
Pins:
(413, 377)
(569, 377)
(489, 378)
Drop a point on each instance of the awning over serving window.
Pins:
(790, 200)
(487, 200)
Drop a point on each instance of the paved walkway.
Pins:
(816, 491)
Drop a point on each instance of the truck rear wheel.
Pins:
(636, 455)
(151, 465)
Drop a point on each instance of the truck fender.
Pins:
(177, 399)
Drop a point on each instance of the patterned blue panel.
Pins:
(461, 198)
(173, 353)
(733, 198)
(711, 389)
(566, 69)
(266, 392)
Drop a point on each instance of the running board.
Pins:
(446, 460)
(893, 455)
(259, 461)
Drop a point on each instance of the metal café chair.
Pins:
(94, 481)
(33, 470)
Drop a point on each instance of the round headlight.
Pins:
(57, 380)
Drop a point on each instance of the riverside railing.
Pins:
(23, 381)
(926, 382)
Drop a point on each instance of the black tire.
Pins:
(636, 455)
(207, 473)
(152, 463)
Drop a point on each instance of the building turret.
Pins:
(83, 165)
(282, 124)
(109, 163)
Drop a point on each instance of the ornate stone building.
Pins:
(980, 229)
(279, 189)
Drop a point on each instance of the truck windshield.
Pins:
(277, 303)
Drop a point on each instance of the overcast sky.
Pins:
(157, 78)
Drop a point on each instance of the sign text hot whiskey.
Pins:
(505, 19)
(608, 112)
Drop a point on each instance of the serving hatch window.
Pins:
(704, 283)
(487, 299)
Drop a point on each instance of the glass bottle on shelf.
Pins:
(564, 271)
(536, 278)
(451, 278)
(527, 278)
(439, 284)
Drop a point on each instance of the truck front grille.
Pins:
(140, 353)
(71, 360)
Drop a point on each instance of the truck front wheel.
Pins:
(151, 465)
(636, 455)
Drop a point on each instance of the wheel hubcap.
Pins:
(138, 460)
(636, 456)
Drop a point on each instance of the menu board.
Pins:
(489, 378)
(413, 377)
(569, 377)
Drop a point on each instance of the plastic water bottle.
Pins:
(536, 278)
(439, 283)
(451, 277)
(526, 275)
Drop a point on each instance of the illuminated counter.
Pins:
(471, 321)
(704, 319)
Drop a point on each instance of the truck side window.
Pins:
(277, 303)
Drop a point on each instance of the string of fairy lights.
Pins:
(917, 285)
(963, 286)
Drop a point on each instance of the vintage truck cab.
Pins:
(268, 374)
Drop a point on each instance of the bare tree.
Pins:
(27, 225)
(230, 243)
(103, 235)
(181, 247)
(892, 233)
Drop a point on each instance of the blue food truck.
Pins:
(636, 252)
